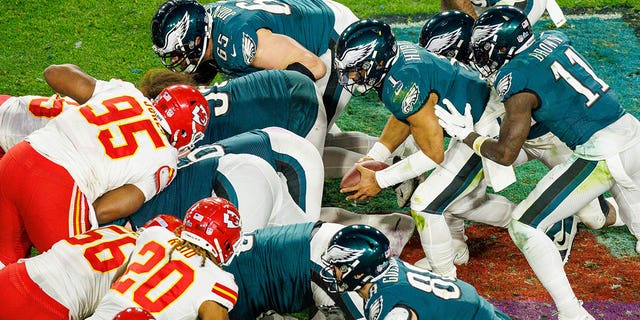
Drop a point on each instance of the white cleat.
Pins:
(461, 253)
(404, 191)
(638, 247)
(583, 314)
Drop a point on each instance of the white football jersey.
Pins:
(20, 116)
(110, 141)
(77, 272)
(167, 288)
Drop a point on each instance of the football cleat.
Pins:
(404, 191)
(583, 314)
(460, 252)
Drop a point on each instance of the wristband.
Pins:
(379, 152)
(477, 144)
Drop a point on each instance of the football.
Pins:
(352, 177)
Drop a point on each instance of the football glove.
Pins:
(456, 125)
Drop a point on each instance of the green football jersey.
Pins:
(417, 72)
(234, 38)
(266, 98)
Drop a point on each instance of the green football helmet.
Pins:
(497, 36)
(364, 53)
(180, 31)
(360, 252)
(448, 34)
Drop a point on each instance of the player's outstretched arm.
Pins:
(69, 80)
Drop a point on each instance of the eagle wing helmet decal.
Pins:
(353, 56)
(443, 41)
(340, 254)
(174, 37)
(482, 33)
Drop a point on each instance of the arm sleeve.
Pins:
(408, 168)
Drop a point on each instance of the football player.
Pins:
(357, 260)
(269, 174)
(605, 138)
(102, 160)
(449, 34)
(290, 255)
(47, 287)
(237, 38)
(163, 268)
(410, 81)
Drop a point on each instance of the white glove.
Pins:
(455, 124)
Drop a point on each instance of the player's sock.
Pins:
(546, 263)
(456, 229)
(436, 242)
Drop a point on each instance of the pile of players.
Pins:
(237, 168)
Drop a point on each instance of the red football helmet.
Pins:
(183, 112)
(164, 220)
(134, 313)
(214, 225)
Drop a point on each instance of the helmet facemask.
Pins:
(349, 280)
(185, 59)
(356, 80)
